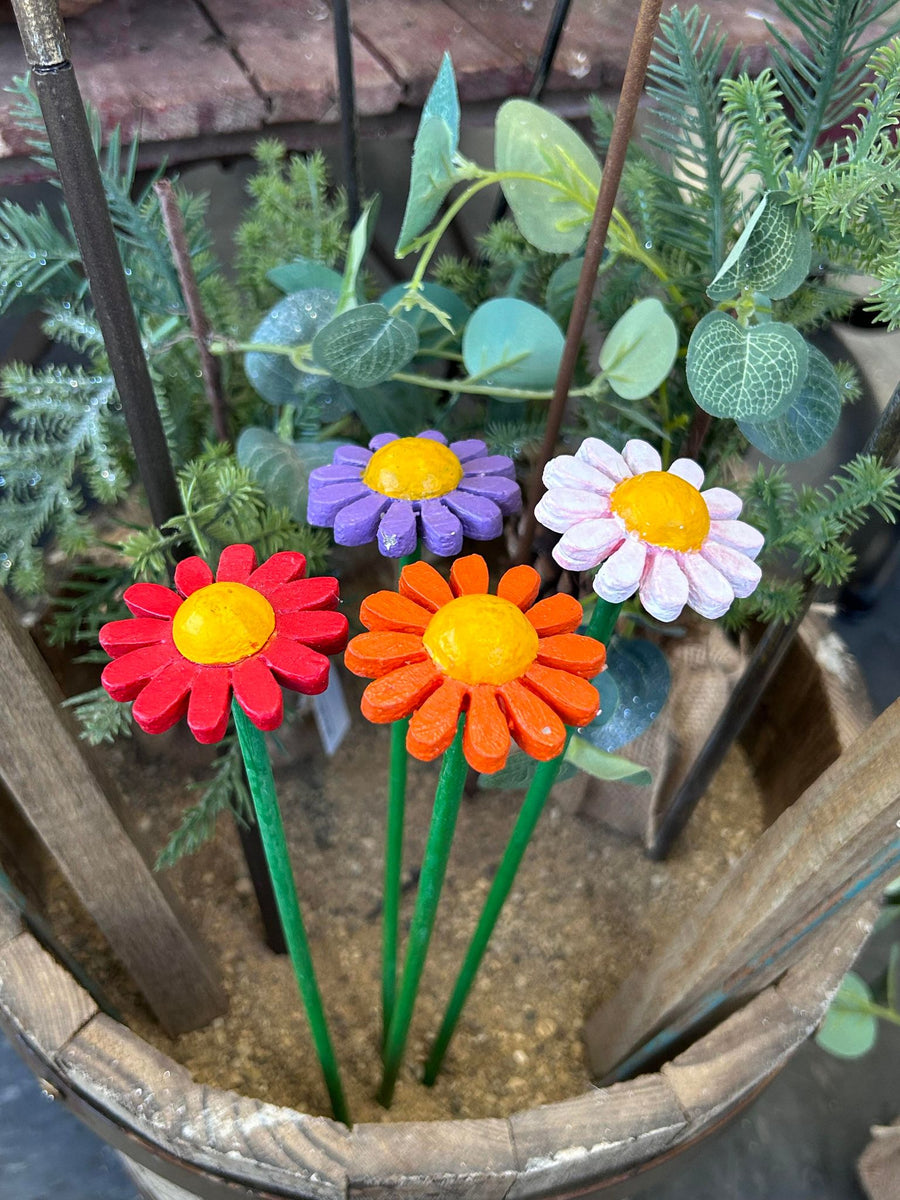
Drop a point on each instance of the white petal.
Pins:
(664, 588)
(561, 507)
(710, 594)
(641, 456)
(741, 572)
(588, 543)
(738, 535)
(567, 471)
(602, 456)
(723, 505)
(686, 468)
(620, 575)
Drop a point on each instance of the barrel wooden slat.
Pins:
(810, 984)
(10, 920)
(47, 1004)
(599, 1134)
(838, 838)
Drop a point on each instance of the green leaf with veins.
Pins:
(848, 1031)
(803, 428)
(357, 248)
(365, 346)
(639, 350)
(771, 255)
(510, 343)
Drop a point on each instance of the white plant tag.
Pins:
(331, 713)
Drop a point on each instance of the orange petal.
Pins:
(432, 726)
(419, 581)
(396, 695)
(374, 654)
(520, 586)
(469, 576)
(576, 700)
(556, 614)
(387, 610)
(573, 652)
(486, 739)
(535, 726)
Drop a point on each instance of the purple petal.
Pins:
(442, 531)
(382, 439)
(491, 464)
(504, 492)
(468, 448)
(397, 533)
(358, 522)
(434, 435)
(357, 455)
(342, 473)
(326, 502)
(481, 518)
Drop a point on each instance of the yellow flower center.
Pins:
(662, 509)
(413, 468)
(481, 639)
(223, 623)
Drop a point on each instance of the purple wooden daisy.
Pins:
(400, 489)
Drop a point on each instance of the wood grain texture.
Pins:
(46, 1003)
(48, 772)
(594, 1136)
(10, 920)
(436, 1159)
(251, 1141)
(838, 839)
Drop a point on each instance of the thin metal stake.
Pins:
(343, 48)
(883, 443)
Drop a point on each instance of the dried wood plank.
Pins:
(809, 986)
(49, 774)
(412, 39)
(153, 1186)
(838, 839)
(289, 51)
(46, 1003)
(10, 920)
(424, 1159)
(595, 1136)
(156, 1099)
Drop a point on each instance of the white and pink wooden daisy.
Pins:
(654, 531)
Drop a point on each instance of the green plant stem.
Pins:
(393, 857)
(268, 816)
(434, 867)
(602, 622)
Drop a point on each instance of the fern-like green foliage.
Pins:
(102, 719)
(226, 791)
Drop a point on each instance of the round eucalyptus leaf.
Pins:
(365, 345)
(303, 273)
(771, 255)
(748, 374)
(640, 349)
(282, 468)
(610, 767)
(294, 321)
(846, 1031)
(553, 211)
(812, 418)
(561, 287)
(511, 343)
(394, 407)
(642, 679)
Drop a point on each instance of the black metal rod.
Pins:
(255, 857)
(343, 49)
(884, 443)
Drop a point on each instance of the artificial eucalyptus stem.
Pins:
(265, 803)
(437, 852)
(393, 857)
(602, 623)
(632, 87)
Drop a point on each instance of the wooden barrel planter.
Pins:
(770, 945)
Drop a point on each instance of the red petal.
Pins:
(208, 707)
(420, 582)
(191, 574)
(281, 568)
(125, 677)
(486, 739)
(152, 600)
(297, 667)
(387, 610)
(520, 586)
(236, 564)
(573, 698)
(396, 695)
(432, 726)
(165, 698)
(320, 630)
(257, 693)
(375, 654)
(319, 592)
(121, 637)
(535, 726)
(469, 576)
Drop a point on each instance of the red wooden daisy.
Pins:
(516, 667)
(248, 630)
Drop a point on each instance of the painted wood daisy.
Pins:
(515, 667)
(248, 630)
(402, 488)
(654, 531)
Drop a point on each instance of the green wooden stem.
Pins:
(437, 852)
(268, 816)
(602, 623)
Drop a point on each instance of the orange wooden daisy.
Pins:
(517, 668)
